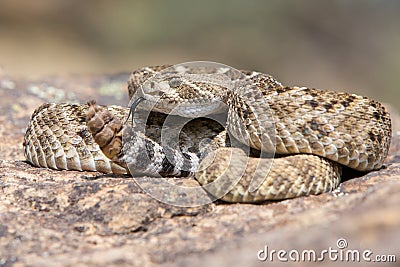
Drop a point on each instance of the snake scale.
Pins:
(312, 132)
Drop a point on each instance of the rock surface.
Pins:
(68, 218)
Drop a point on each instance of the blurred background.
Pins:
(342, 45)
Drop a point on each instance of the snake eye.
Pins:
(175, 82)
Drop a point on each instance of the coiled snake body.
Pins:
(313, 131)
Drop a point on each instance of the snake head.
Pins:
(183, 95)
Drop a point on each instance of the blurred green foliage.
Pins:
(341, 45)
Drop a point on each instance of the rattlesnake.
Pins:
(314, 132)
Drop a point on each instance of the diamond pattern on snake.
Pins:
(311, 133)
